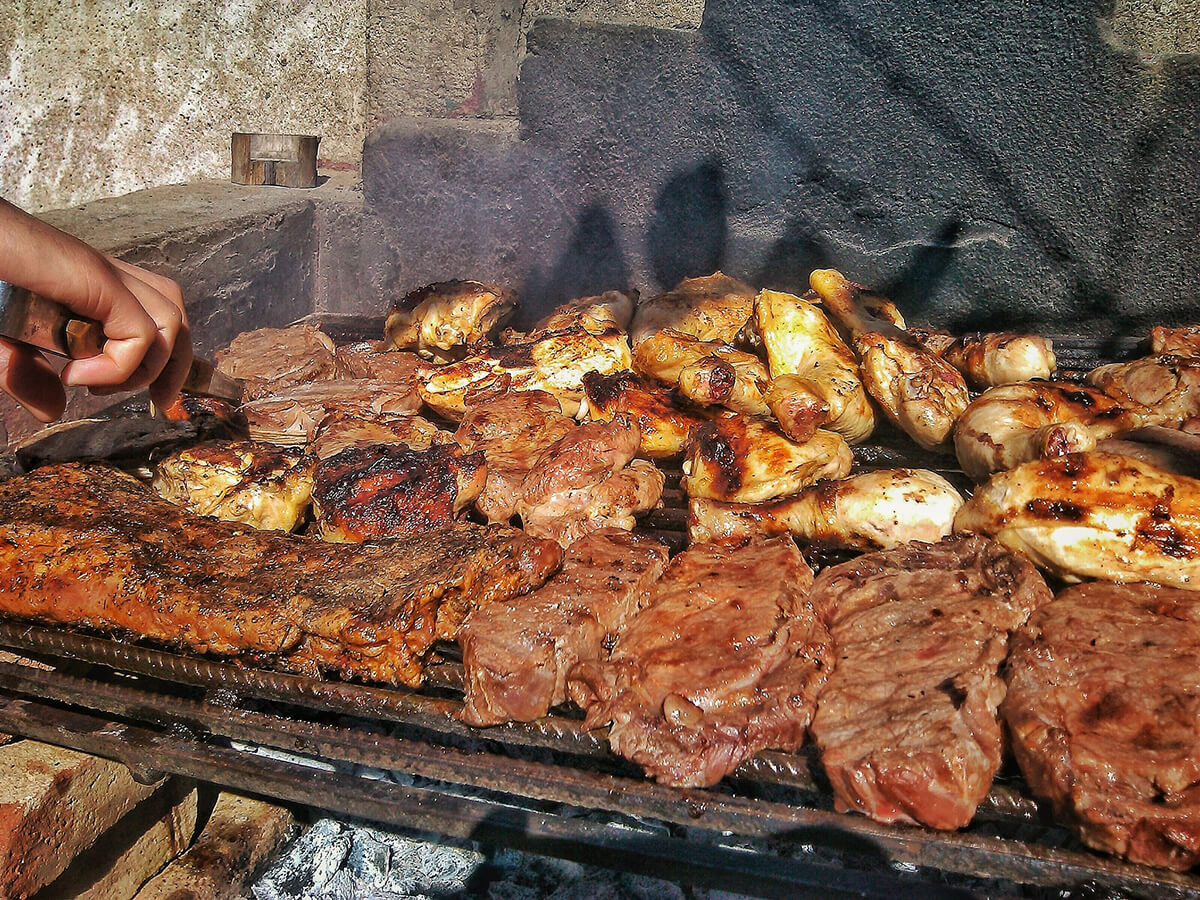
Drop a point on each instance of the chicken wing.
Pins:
(662, 418)
(441, 321)
(1011, 424)
(1181, 341)
(555, 363)
(1164, 389)
(920, 392)
(991, 359)
(601, 314)
(873, 511)
(712, 308)
(706, 372)
(238, 481)
(748, 460)
(801, 342)
(1094, 515)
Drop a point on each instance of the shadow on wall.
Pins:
(591, 262)
(688, 230)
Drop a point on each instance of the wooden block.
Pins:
(287, 160)
(53, 804)
(241, 836)
(134, 850)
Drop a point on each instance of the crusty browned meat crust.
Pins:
(725, 659)
(89, 546)
(907, 723)
(517, 655)
(1103, 709)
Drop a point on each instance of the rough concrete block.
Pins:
(241, 835)
(134, 850)
(53, 804)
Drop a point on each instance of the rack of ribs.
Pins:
(89, 546)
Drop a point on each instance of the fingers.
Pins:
(172, 326)
(28, 378)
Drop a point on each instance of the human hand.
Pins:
(148, 342)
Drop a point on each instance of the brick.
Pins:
(241, 835)
(53, 804)
(134, 850)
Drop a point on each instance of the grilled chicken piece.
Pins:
(366, 493)
(991, 359)
(706, 372)
(798, 408)
(555, 363)
(513, 431)
(517, 655)
(804, 347)
(725, 659)
(602, 314)
(663, 420)
(1164, 389)
(441, 321)
(1094, 515)
(585, 455)
(270, 360)
(712, 308)
(292, 417)
(88, 546)
(873, 511)
(341, 431)
(570, 514)
(1014, 423)
(1181, 341)
(376, 361)
(747, 460)
(1171, 449)
(238, 481)
(920, 392)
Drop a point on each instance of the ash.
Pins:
(339, 861)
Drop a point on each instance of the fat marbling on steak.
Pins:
(907, 723)
(725, 659)
(89, 546)
(517, 654)
(1103, 709)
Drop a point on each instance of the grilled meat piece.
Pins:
(1014, 423)
(239, 481)
(811, 363)
(292, 417)
(1094, 515)
(725, 659)
(584, 455)
(663, 419)
(89, 546)
(569, 514)
(706, 372)
(513, 431)
(1164, 390)
(920, 392)
(270, 360)
(366, 493)
(1103, 709)
(602, 314)
(990, 359)
(712, 308)
(872, 511)
(341, 431)
(747, 460)
(441, 321)
(907, 723)
(376, 361)
(517, 655)
(555, 363)
(1181, 341)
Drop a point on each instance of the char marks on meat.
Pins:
(89, 546)
(1103, 709)
(907, 723)
(725, 659)
(517, 654)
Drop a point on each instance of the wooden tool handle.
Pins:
(85, 338)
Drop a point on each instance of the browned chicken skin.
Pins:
(1181, 341)
(602, 314)
(712, 308)
(1164, 389)
(441, 321)
(706, 372)
(990, 359)
(664, 421)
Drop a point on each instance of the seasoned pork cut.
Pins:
(377, 362)
(270, 360)
(1103, 708)
(568, 514)
(725, 659)
(517, 654)
(907, 724)
(89, 546)
(442, 321)
(341, 431)
(292, 416)
(1094, 515)
(239, 481)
